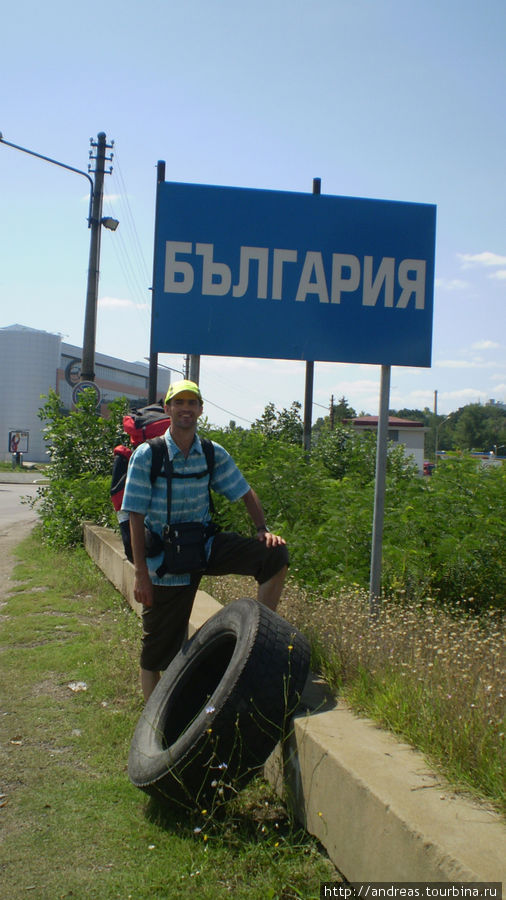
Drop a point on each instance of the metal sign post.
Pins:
(379, 491)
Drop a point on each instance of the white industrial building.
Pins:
(32, 362)
(400, 431)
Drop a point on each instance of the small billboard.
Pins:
(18, 441)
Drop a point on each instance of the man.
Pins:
(167, 599)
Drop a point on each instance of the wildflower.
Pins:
(210, 710)
(197, 830)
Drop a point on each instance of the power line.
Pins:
(130, 220)
(227, 411)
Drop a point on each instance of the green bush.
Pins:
(80, 447)
(443, 536)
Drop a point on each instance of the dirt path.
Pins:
(10, 537)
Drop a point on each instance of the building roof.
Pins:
(393, 422)
(26, 328)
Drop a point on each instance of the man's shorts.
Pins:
(165, 623)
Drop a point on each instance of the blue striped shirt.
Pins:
(190, 496)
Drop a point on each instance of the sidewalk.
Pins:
(23, 476)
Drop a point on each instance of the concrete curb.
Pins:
(18, 477)
(373, 802)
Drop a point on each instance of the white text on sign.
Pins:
(401, 281)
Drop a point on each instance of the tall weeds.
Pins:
(434, 677)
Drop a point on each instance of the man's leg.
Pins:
(149, 681)
(165, 629)
(270, 591)
(234, 554)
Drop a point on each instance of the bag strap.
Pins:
(162, 464)
(208, 448)
(158, 449)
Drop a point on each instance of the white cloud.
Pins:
(462, 396)
(476, 363)
(485, 345)
(235, 364)
(119, 303)
(417, 399)
(481, 259)
(500, 275)
(451, 284)
(361, 386)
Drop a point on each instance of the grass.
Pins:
(25, 467)
(72, 824)
(435, 678)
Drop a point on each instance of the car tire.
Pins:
(220, 707)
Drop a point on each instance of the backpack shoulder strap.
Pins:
(208, 448)
(161, 464)
(159, 455)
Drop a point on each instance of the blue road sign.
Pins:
(242, 272)
(84, 386)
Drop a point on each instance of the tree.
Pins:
(480, 427)
(340, 411)
(415, 415)
(80, 447)
(286, 424)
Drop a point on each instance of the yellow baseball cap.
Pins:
(179, 386)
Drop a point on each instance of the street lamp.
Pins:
(110, 223)
(95, 220)
(438, 426)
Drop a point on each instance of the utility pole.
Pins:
(194, 368)
(153, 357)
(90, 316)
(191, 369)
(94, 222)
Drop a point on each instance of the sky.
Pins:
(384, 99)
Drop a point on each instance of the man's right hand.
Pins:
(143, 588)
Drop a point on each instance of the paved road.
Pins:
(16, 521)
(12, 511)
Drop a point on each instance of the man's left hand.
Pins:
(272, 540)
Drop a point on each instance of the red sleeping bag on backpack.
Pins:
(147, 423)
